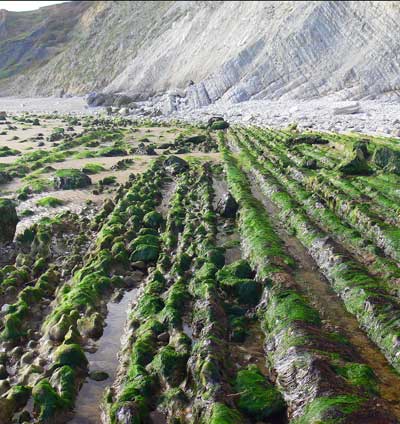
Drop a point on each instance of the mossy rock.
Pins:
(153, 220)
(258, 399)
(219, 413)
(170, 365)
(219, 125)
(237, 269)
(388, 159)
(70, 354)
(330, 409)
(70, 179)
(146, 253)
(356, 166)
(8, 220)
(247, 291)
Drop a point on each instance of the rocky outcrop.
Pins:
(307, 49)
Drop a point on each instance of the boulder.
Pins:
(175, 164)
(214, 119)
(69, 179)
(219, 125)
(8, 220)
(347, 108)
(227, 206)
(142, 149)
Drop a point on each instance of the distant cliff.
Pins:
(230, 50)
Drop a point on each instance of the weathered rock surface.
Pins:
(8, 220)
(308, 49)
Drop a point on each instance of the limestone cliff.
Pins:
(231, 50)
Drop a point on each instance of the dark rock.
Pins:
(69, 179)
(388, 159)
(4, 177)
(8, 220)
(3, 372)
(214, 119)
(310, 164)
(176, 165)
(227, 206)
(98, 375)
(142, 149)
(163, 337)
(355, 166)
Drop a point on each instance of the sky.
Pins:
(19, 6)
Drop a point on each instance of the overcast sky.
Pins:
(19, 6)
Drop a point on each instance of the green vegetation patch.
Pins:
(49, 202)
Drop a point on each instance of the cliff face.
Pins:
(230, 50)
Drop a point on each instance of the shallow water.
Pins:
(87, 408)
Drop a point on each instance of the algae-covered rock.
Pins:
(70, 179)
(153, 219)
(388, 159)
(170, 365)
(91, 326)
(8, 220)
(219, 413)
(219, 125)
(98, 375)
(238, 269)
(70, 354)
(355, 166)
(146, 253)
(258, 398)
(45, 400)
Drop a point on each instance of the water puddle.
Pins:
(87, 408)
(331, 308)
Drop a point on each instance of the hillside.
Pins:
(233, 51)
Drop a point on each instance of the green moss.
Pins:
(330, 410)
(153, 220)
(258, 398)
(146, 253)
(219, 125)
(287, 307)
(46, 400)
(49, 201)
(359, 375)
(247, 291)
(170, 365)
(93, 168)
(70, 354)
(222, 414)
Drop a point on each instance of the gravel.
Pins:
(377, 117)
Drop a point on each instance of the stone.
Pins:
(163, 337)
(3, 372)
(8, 220)
(98, 375)
(347, 108)
(69, 179)
(142, 149)
(227, 206)
(175, 164)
